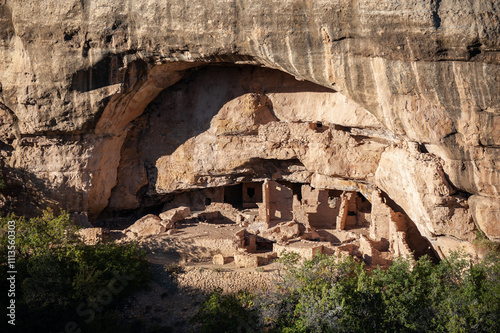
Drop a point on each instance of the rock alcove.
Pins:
(75, 83)
(256, 146)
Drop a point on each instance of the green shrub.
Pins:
(44, 234)
(226, 313)
(330, 294)
(57, 273)
(326, 294)
(483, 243)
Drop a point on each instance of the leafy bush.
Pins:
(57, 273)
(331, 294)
(45, 234)
(453, 296)
(226, 313)
(484, 244)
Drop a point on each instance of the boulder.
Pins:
(171, 231)
(148, 225)
(176, 214)
(218, 259)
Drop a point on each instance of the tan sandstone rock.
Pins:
(246, 260)
(176, 214)
(127, 109)
(146, 226)
(305, 249)
(486, 213)
(218, 259)
(92, 236)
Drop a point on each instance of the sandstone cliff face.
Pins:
(109, 105)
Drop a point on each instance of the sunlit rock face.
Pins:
(109, 106)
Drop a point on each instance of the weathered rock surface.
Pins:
(176, 214)
(228, 281)
(105, 106)
(146, 226)
(218, 259)
(91, 236)
(486, 213)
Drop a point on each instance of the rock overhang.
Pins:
(426, 75)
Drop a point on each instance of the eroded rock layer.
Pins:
(109, 106)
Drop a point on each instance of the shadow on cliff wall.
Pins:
(106, 72)
(25, 194)
(185, 110)
(7, 30)
(418, 243)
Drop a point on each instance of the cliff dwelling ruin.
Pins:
(292, 164)
(218, 135)
(381, 135)
(277, 216)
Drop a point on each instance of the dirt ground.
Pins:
(183, 274)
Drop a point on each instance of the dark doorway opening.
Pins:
(234, 195)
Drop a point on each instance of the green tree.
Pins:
(229, 313)
(56, 271)
(329, 294)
